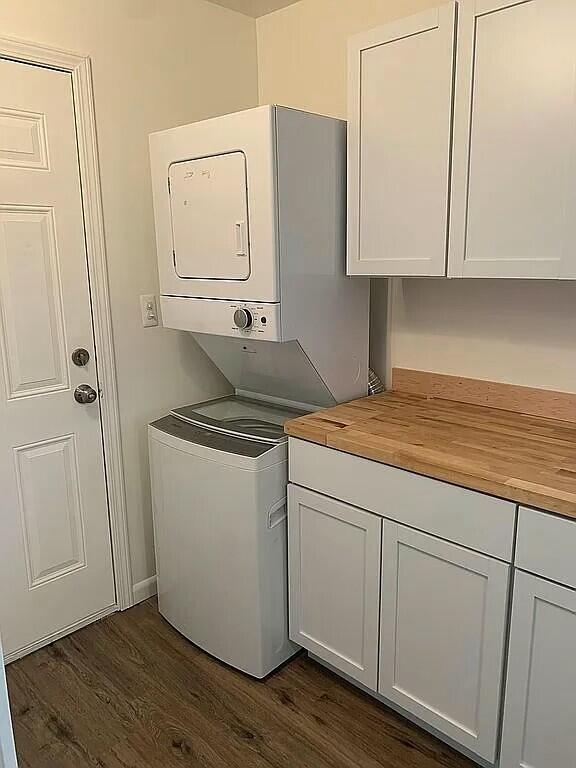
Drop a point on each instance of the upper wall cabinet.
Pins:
(513, 193)
(400, 112)
(514, 169)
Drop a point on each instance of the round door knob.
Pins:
(85, 394)
(243, 319)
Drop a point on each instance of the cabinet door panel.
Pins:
(442, 635)
(400, 112)
(540, 707)
(334, 577)
(514, 171)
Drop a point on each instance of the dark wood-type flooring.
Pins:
(130, 692)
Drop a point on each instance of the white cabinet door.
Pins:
(513, 208)
(442, 631)
(7, 750)
(540, 708)
(334, 577)
(400, 113)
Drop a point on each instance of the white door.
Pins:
(514, 170)
(540, 707)
(442, 630)
(334, 574)
(400, 117)
(209, 208)
(7, 750)
(55, 554)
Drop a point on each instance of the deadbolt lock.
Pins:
(80, 357)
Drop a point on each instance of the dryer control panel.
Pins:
(240, 319)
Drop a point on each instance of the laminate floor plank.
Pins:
(130, 692)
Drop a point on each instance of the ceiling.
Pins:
(255, 8)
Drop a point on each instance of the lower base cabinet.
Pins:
(334, 577)
(425, 623)
(443, 624)
(412, 617)
(540, 706)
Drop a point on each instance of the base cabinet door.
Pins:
(540, 706)
(442, 634)
(334, 577)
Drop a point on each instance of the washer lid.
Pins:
(241, 417)
(217, 441)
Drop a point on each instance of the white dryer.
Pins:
(250, 212)
(219, 474)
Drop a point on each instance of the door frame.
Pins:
(80, 70)
(7, 746)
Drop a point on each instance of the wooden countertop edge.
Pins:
(503, 489)
(318, 429)
(305, 432)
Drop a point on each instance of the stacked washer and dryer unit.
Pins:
(250, 212)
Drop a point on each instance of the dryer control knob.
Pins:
(243, 319)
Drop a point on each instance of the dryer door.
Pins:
(209, 212)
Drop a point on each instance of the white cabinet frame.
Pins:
(473, 17)
(425, 156)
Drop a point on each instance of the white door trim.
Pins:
(7, 747)
(80, 70)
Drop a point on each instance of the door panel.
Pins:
(442, 635)
(23, 141)
(55, 548)
(334, 570)
(400, 113)
(540, 707)
(50, 510)
(514, 189)
(33, 344)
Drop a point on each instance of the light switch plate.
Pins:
(149, 309)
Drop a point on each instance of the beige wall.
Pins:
(302, 49)
(507, 330)
(155, 64)
(158, 64)
(513, 331)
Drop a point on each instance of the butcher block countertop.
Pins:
(527, 459)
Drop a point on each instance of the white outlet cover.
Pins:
(149, 310)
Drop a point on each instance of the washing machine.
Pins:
(219, 475)
(249, 211)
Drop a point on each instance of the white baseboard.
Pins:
(10, 657)
(144, 589)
